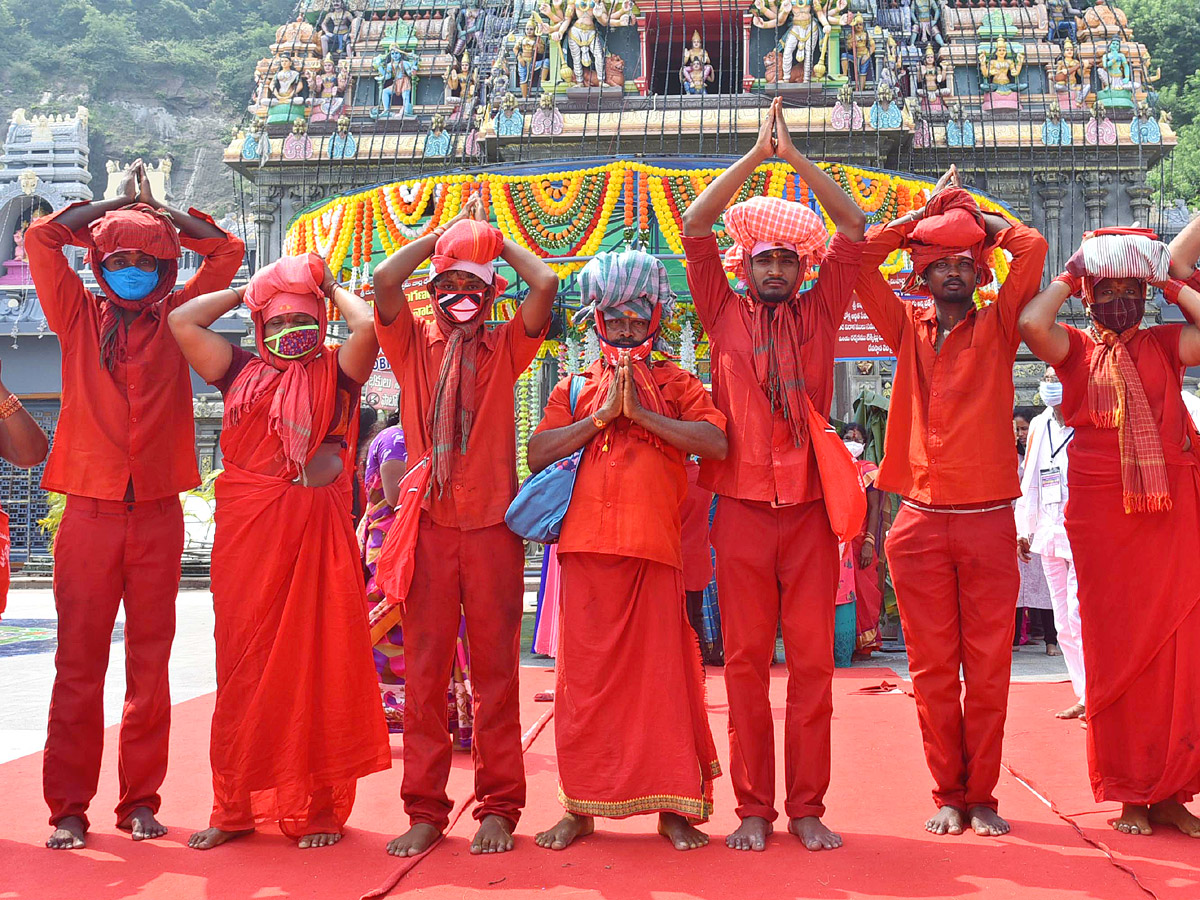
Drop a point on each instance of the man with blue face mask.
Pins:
(123, 452)
(1039, 512)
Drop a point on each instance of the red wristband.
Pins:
(1074, 284)
(1172, 288)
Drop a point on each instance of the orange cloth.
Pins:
(133, 422)
(1138, 584)
(483, 481)
(956, 585)
(630, 728)
(626, 500)
(949, 435)
(697, 549)
(764, 463)
(297, 718)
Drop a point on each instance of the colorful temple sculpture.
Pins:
(591, 124)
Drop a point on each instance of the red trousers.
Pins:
(956, 584)
(479, 575)
(777, 564)
(106, 551)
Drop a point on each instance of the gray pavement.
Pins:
(27, 663)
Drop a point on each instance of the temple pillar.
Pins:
(1139, 194)
(1053, 192)
(265, 212)
(1095, 197)
(747, 78)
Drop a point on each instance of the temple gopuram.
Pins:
(591, 124)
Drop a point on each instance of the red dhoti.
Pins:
(631, 731)
(106, 551)
(777, 564)
(956, 585)
(1139, 601)
(479, 575)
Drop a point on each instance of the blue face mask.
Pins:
(131, 283)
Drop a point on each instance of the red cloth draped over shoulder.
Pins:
(297, 718)
(1139, 584)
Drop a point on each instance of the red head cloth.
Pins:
(290, 284)
(952, 226)
(470, 246)
(773, 221)
(137, 227)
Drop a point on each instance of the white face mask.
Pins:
(856, 448)
(1051, 392)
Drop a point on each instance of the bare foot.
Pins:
(415, 841)
(569, 827)
(214, 837)
(813, 834)
(947, 820)
(142, 824)
(69, 834)
(494, 836)
(319, 839)
(987, 822)
(1134, 819)
(675, 828)
(750, 835)
(1052, 650)
(1172, 812)
(1071, 712)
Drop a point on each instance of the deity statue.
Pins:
(846, 114)
(298, 145)
(884, 112)
(395, 71)
(510, 122)
(936, 80)
(1066, 74)
(833, 16)
(533, 62)
(916, 121)
(960, 131)
(999, 71)
(623, 14)
(547, 119)
(470, 24)
(1115, 73)
(343, 144)
(1061, 16)
(455, 78)
(1100, 129)
(437, 142)
(19, 241)
(1056, 132)
(859, 56)
(585, 47)
(285, 84)
(327, 90)
(925, 23)
(339, 29)
(695, 77)
(801, 39)
(1143, 129)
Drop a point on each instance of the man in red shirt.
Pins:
(950, 456)
(630, 729)
(777, 557)
(456, 404)
(123, 452)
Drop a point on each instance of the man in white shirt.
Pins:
(1039, 514)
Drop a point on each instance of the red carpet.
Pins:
(878, 800)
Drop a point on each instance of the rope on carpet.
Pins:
(460, 807)
(1099, 845)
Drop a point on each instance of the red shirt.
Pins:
(763, 462)
(132, 424)
(627, 501)
(483, 481)
(949, 432)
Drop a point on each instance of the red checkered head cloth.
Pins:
(770, 220)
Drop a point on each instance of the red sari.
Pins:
(297, 718)
(1139, 585)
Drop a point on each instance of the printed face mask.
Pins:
(856, 448)
(131, 283)
(461, 306)
(1051, 393)
(294, 342)
(1120, 314)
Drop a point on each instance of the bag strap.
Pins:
(576, 387)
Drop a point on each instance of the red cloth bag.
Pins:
(845, 500)
(394, 568)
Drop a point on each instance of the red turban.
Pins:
(952, 226)
(469, 246)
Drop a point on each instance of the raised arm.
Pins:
(22, 441)
(1187, 299)
(206, 351)
(543, 285)
(191, 226)
(1039, 326)
(1185, 251)
(848, 219)
(700, 217)
(357, 356)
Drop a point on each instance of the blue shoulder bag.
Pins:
(536, 513)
